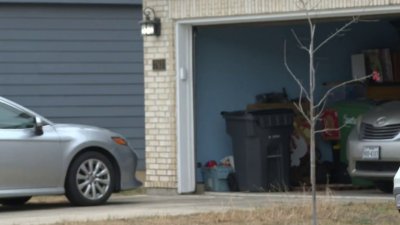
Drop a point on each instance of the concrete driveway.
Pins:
(145, 205)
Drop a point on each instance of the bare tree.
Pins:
(316, 107)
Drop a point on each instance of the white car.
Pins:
(396, 188)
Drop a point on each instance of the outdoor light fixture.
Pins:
(151, 25)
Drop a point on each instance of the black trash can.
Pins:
(261, 148)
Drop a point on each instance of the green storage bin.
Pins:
(216, 178)
(349, 111)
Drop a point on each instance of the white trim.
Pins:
(184, 61)
(287, 16)
(185, 118)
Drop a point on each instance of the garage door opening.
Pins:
(235, 63)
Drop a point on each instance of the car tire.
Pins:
(17, 201)
(90, 179)
(385, 186)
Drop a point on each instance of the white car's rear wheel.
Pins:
(90, 179)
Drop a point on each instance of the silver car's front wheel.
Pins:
(93, 179)
(90, 179)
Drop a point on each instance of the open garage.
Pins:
(235, 63)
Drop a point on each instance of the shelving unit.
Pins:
(384, 91)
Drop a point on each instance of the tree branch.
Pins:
(299, 104)
(301, 4)
(338, 31)
(300, 109)
(311, 56)
(317, 4)
(293, 75)
(331, 129)
(338, 86)
(321, 110)
(301, 45)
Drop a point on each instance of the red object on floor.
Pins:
(211, 164)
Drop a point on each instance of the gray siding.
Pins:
(76, 64)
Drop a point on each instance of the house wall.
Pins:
(160, 116)
(160, 87)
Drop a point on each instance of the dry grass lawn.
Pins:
(329, 214)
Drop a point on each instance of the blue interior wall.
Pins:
(235, 63)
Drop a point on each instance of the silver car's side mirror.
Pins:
(38, 126)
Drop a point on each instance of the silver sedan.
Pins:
(373, 146)
(38, 157)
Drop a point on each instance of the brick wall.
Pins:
(160, 103)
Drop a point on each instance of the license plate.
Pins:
(371, 152)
